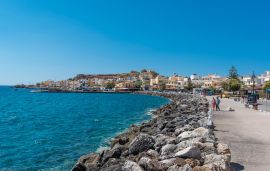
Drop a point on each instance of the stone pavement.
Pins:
(247, 132)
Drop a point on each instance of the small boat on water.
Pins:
(38, 91)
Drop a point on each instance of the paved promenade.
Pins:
(247, 132)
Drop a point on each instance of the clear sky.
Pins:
(57, 39)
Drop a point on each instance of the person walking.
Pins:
(214, 103)
(217, 104)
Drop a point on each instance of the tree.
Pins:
(189, 86)
(225, 85)
(110, 85)
(234, 85)
(266, 86)
(233, 73)
(138, 84)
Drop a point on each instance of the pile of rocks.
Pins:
(176, 139)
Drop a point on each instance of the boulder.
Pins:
(113, 164)
(92, 167)
(123, 140)
(183, 107)
(202, 132)
(199, 132)
(131, 166)
(90, 158)
(152, 153)
(161, 140)
(141, 143)
(187, 143)
(210, 167)
(150, 164)
(168, 162)
(223, 149)
(79, 167)
(173, 161)
(113, 153)
(174, 168)
(168, 149)
(184, 136)
(189, 152)
(217, 161)
(192, 162)
(206, 148)
(177, 168)
(186, 168)
(180, 130)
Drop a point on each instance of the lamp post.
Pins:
(253, 82)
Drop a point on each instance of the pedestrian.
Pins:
(214, 103)
(217, 104)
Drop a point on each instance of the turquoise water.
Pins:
(52, 130)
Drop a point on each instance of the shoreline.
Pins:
(147, 112)
(176, 137)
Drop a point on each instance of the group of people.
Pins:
(215, 103)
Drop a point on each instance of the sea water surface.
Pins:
(50, 131)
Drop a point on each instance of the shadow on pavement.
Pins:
(220, 130)
(237, 166)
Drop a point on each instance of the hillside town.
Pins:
(149, 80)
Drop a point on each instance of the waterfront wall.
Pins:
(177, 138)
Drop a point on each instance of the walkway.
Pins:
(247, 132)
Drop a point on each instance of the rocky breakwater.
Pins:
(176, 139)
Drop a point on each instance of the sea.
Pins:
(50, 131)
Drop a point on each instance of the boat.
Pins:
(38, 91)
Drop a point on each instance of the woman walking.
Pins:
(214, 103)
(217, 104)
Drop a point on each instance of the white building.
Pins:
(211, 77)
(264, 77)
(194, 77)
(158, 80)
(259, 80)
(247, 80)
(175, 82)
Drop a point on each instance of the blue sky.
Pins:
(57, 39)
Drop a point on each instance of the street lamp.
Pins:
(253, 82)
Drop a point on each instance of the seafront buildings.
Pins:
(147, 80)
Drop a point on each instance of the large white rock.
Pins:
(189, 152)
(177, 168)
(187, 143)
(186, 168)
(223, 148)
(162, 139)
(152, 153)
(218, 161)
(131, 166)
(168, 162)
(168, 149)
(150, 164)
(199, 132)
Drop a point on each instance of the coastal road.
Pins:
(247, 132)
